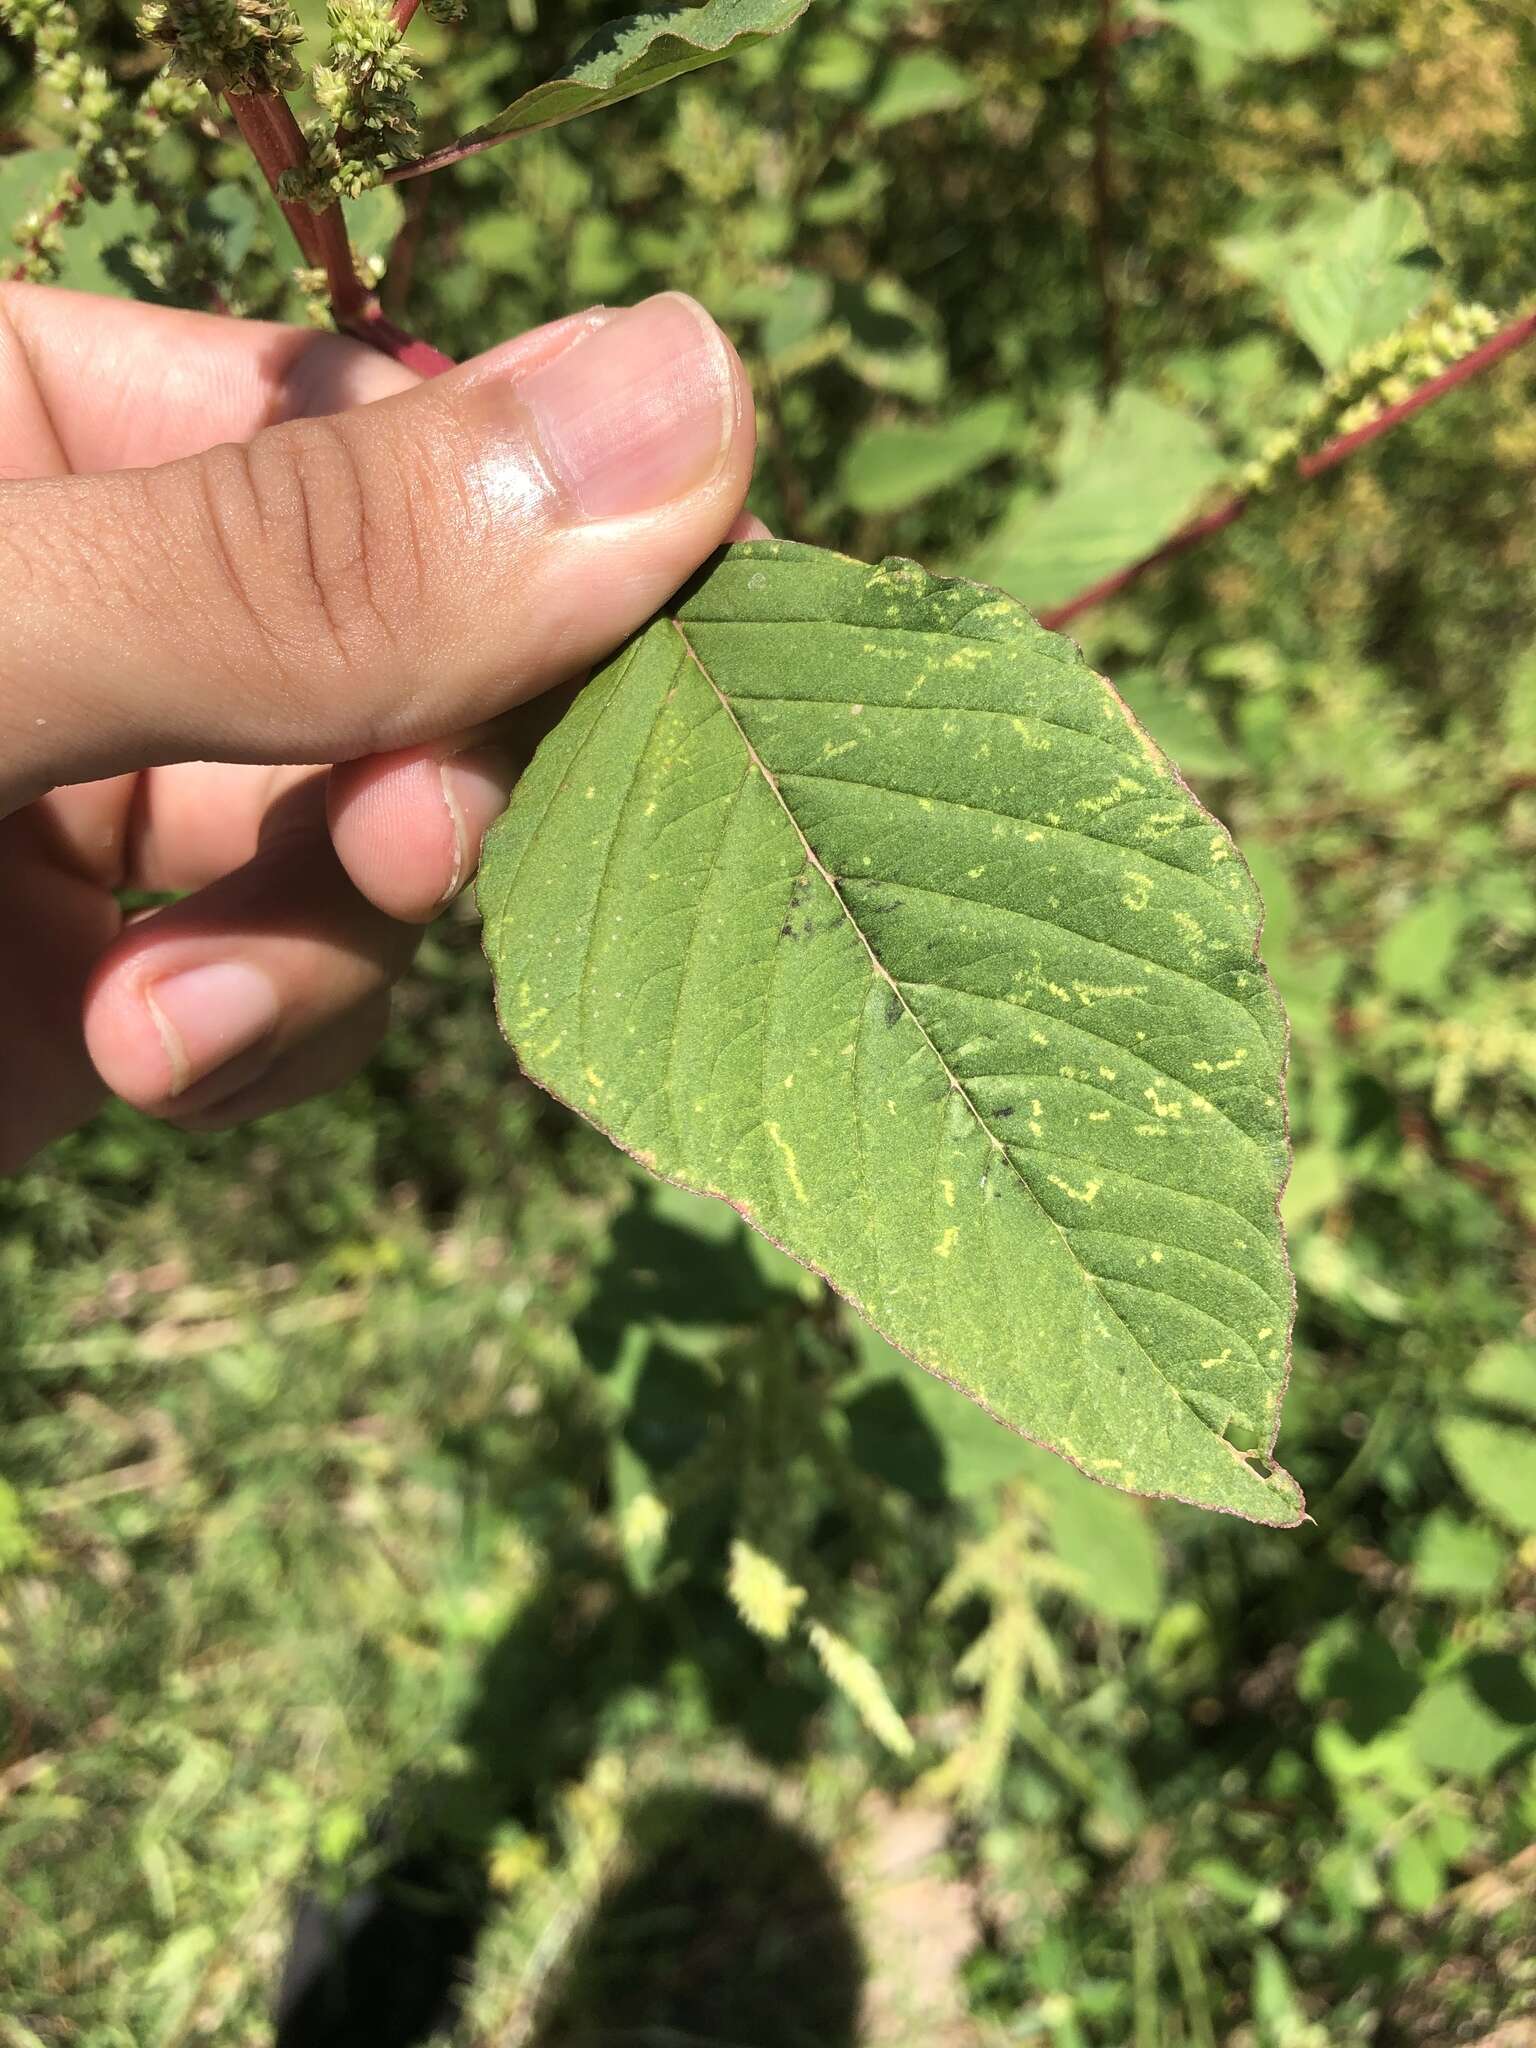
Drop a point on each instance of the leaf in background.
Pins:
(28, 181)
(1124, 480)
(893, 465)
(94, 255)
(636, 52)
(795, 311)
(1181, 724)
(1457, 1560)
(836, 63)
(1414, 956)
(1230, 33)
(1467, 1724)
(852, 896)
(373, 221)
(894, 342)
(918, 82)
(919, 1433)
(1504, 1376)
(1494, 1455)
(1349, 273)
(230, 215)
(1495, 1463)
(1105, 1539)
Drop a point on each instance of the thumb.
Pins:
(343, 586)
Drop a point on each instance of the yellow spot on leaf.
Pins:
(1087, 1193)
(790, 1165)
(946, 1243)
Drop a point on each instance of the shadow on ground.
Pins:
(723, 1925)
(726, 1927)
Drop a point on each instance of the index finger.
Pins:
(92, 383)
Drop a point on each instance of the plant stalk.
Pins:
(274, 137)
(1493, 350)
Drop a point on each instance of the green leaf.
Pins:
(94, 254)
(1125, 480)
(1417, 1875)
(1349, 273)
(28, 181)
(893, 341)
(891, 466)
(1230, 33)
(229, 213)
(915, 83)
(1496, 1465)
(1415, 955)
(1107, 1541)
(916, 1431)
(636, 52)
(373, 221)
(853, 897)
(1504, 1376)
(1180, 722)
(1457, 1560)
(1468, 1725)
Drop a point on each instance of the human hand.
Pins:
(227, 548)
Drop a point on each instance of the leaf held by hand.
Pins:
(854, 897)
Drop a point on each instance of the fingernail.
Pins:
(476, 786)
(207, 1016)
(639, 412)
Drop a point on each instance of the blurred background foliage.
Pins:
(431, 1556)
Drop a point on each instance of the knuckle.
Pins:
(313, 564)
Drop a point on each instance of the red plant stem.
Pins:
(276, 140)
(450, 153)
(1104, 195)
(1492, 351)
(380, 332)
(405, 11)
(274, 137)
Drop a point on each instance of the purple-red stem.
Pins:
(405, 13)
(1499, 345)
(276, 140)
(380, 332)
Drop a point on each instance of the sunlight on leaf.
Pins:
(852, 896)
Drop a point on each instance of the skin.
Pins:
(230, 551)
